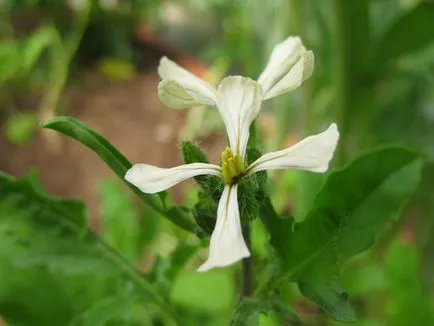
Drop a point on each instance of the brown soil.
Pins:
(129, 114)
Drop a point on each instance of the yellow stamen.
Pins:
(232, 166)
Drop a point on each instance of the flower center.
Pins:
(232, 166)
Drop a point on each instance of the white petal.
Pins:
(227, 244)
(289, 65)
(238, 101)
(181, 89)
(301, 71)
(151, 179)
(313, 153)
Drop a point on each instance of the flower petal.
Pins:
(289, 65)
(227, 244)
(181, 89)
(313, 153)
(151, 179)
(238, 101)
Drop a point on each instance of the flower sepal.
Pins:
(210, 184)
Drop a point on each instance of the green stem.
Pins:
(247, 266)
(62, 53)
(350, 52)
(341, 73)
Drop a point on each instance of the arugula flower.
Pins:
(238, 100)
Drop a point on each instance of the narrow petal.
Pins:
(313, 153)
(181, 89)
(289, 65)
(238, 101)
(227, 244)
(151, 179)
(301, 71)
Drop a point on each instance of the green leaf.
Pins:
(105, 310)
(118, 163)
(248, 310)
(45, 244)
(354, 206)
(408, 34)
(33, 47)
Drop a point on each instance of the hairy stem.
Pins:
(247, 266)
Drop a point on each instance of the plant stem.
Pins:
(247, 266)
(340, 73)
(62, 54)
(350, 50)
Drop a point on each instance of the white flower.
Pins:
(238, 100)
(289, 65)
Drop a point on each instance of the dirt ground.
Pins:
(129, 114)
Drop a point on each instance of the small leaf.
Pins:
(33, 47)
(248, 310)
(354, 206)
(117, 162)
(408, 34)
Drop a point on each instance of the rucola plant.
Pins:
(352, 208)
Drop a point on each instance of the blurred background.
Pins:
(97, 60)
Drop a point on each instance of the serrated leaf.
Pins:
(118, 163)
(408, 34)
(354, 206)
(248, 310)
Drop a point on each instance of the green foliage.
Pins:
(18, 57)
(373, 190)
(211, 184)
(166, 270)
(21, 127)
(408, 33)
(123, 226)
(409, 302)
(248, 310)
(118, 163)
(34, 46)
(45, 244)
(207, 297)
